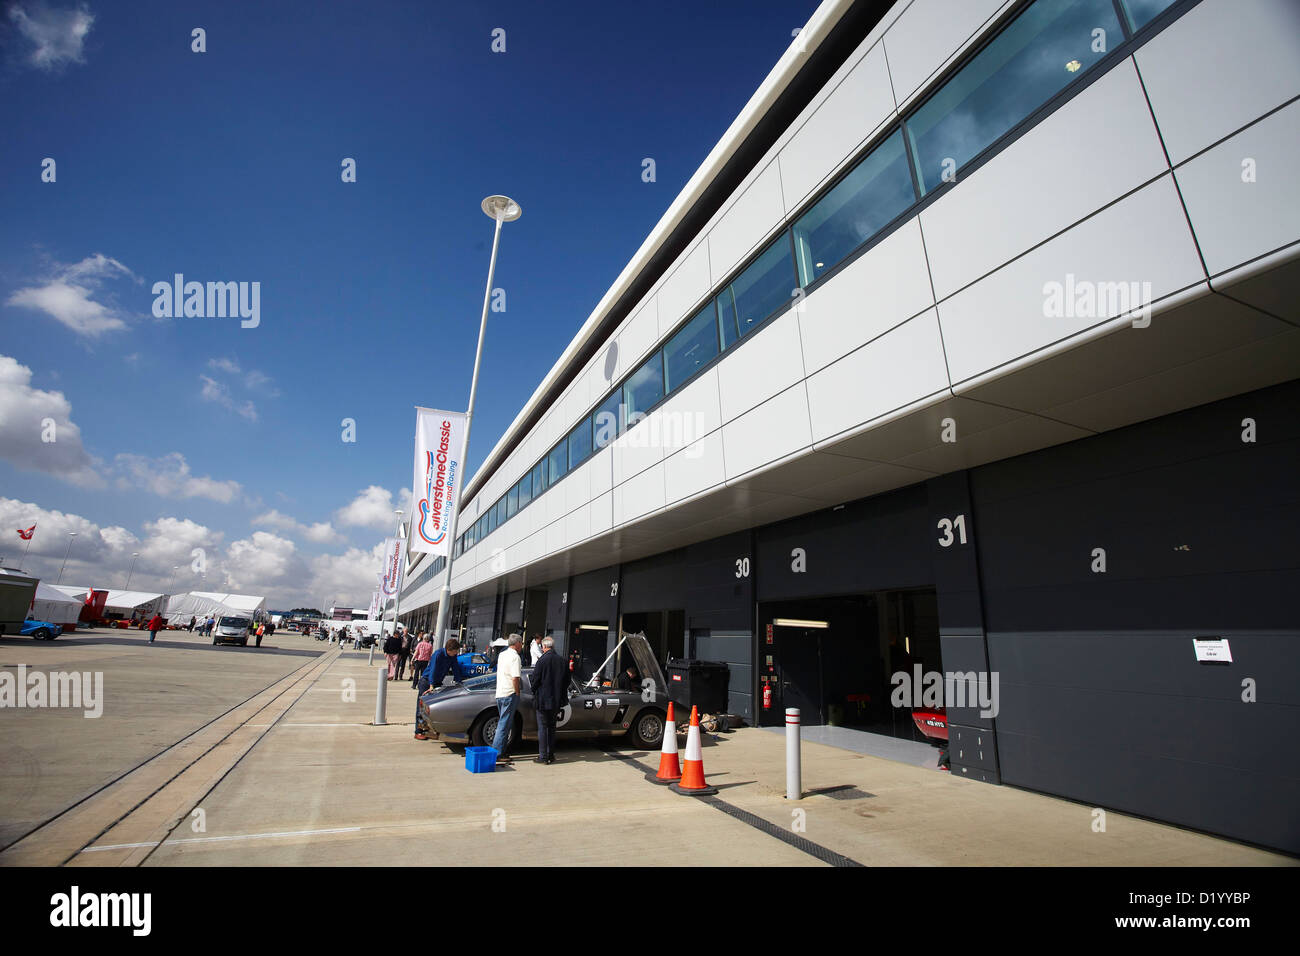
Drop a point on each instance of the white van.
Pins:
(230, 629)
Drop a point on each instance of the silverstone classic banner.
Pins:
(439, 457)
(390, 582)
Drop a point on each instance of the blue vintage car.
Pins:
(41, 630)
(475, 663)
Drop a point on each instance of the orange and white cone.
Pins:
(692, 783)
(669, 768)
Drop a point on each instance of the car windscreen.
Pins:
(482, 680)
(234, 622)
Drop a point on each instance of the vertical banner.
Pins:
(390, 585)
(374, 605)
(439, 460)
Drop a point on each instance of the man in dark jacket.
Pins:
(549, 682)
(445, 660)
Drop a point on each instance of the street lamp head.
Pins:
(501, 207)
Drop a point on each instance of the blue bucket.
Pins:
(480, 759)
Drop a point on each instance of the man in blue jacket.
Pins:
(443, 662)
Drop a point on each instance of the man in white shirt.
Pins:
(536, 650)
(509, 672)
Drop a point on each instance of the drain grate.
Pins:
(842, 792)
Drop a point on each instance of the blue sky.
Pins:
(172, 434)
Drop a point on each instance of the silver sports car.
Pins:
(605, 706)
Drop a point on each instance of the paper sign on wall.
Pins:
(1212, 649)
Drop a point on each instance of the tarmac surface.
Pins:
(267, 756)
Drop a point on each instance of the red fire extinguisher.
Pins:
(767, 696)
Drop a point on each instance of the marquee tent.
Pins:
(200, 604)
(53, 605)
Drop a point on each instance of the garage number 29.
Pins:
(947, 526)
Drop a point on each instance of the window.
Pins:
(607, 421)
(500, 509)
(491, 518)
(557, 462)
(512, 501)
(525, 490)
(580, 443)
(539, 478)
(644, 388)
(1142, 12)
(860, 205)
(1048, 46)
(691, 348)
(757, 292)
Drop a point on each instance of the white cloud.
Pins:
(322, 532)
(214, 391)
(372, 508)
(170, 477)
(57, 36)
(67, 295)
(263, 563)
(30, 416)
(224, 365)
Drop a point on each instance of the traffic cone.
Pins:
(669, 768)
(692, 783)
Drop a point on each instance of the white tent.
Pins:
(72, 591)
(125, 602)
(54, 606)
(199, 604)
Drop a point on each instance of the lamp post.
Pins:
(502, 209)
(71, 535)
(134, 555)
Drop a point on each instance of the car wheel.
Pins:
(244, 642)
(214, 640)
(42, 634)
(484, 731)
(648, 730)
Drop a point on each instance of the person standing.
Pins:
(193, 621)
(443, 662)
(393, 649)
(536, 650)
(509, 671)
(404, 654)
(549, 682)
(155, 625)
(261, 629)
(423, 651)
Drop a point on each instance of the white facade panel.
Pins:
(1143, 240)
(689, 412)
(639, 495)
(770, 361)
(1221, 65)
(773, 430)
(600, 468)
(694, 468)
(883, 287)
(576, 488)
(682, 290)
(577, 526)
(634, 451)
(850, 115)
(555, 537)
(927, 35)
(758, 210)
(902, 366)
(1240, 212)
(637, 337)
(1034, 188)
(602, 513)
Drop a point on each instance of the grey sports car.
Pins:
(467, 713)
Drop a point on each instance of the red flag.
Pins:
(27, 535)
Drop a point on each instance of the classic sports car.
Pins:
(467, 713)
(41, 630)
(475, 662)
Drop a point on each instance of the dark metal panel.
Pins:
(877, 544)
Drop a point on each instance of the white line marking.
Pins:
(227, 839)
